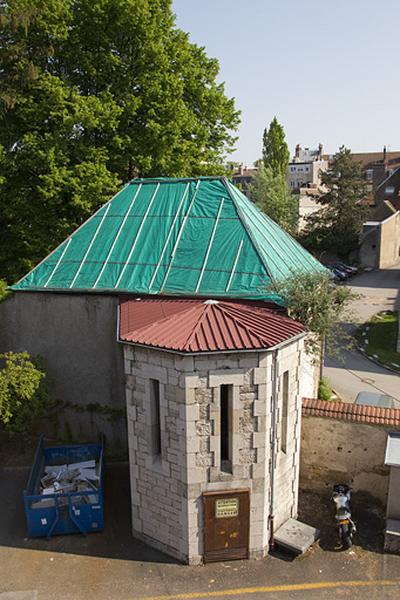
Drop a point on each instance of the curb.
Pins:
(365, 326)
(377, 362)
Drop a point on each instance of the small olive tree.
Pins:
(321, 306)
(23, 392)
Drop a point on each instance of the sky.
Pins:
(329, 71)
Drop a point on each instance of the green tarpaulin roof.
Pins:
(174, 236)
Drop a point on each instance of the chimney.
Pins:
(320, 148)
(297, 151)
(384, 155)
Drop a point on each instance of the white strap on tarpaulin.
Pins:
(90, 245)
(209, 246)
(168, 237)
(137, 235)
(117, 236)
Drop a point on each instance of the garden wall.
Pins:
(345, 443)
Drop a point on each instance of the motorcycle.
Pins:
(341, 497)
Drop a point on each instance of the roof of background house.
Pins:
(197, 236)
(246, 172)
(368, 159)
(383, 211)
(195, 325)
(372, 158)
(344, 411)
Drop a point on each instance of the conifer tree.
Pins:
(336, 226)
(275, 152)
(272, 195)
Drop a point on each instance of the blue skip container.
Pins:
(62, 513)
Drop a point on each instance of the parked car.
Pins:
(340, 275)
(333, 276)
(346, 268)
(375, 399)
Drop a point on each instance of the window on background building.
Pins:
(226, 427)
(389, 189)
(285, 411)
(369, 174)
(155, 417)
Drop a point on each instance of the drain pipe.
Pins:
(274, 412)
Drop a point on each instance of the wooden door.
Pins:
(226, 525)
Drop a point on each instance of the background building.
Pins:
(304, 178)
(243, 178)
(389, 190)
(304, 170)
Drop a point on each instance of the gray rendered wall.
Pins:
(337, 451)
(77, 336)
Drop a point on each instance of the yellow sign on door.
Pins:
(227, 507)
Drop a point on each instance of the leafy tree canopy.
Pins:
(91, 95)
(275, 153)
(272, 195)
(338, 223)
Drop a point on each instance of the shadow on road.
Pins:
(115, 541)
(317, 509)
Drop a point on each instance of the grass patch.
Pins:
(379, 339)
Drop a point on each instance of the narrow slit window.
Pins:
(155, 417)
(285, 410)
(226, 428)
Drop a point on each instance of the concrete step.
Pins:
(296, 536)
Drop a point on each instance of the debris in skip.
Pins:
(76, 477)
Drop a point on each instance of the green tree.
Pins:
(321, 306)
(23, 393)
(336, 226)
(91, 95)
(272, 195)
(275, 153)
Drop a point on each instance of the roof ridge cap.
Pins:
(246, 227)
(205, 308)
(239, 322)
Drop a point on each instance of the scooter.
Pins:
(341, 497)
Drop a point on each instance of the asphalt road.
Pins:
(112, 565)
(379, 291)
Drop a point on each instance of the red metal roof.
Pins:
(344, 411)
(203, 326)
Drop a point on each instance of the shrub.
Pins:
(324, 389)
(23, 392)
(3, 289)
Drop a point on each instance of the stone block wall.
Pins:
(167, 509)
(159, 515)
(291, 359)
(250, 445)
